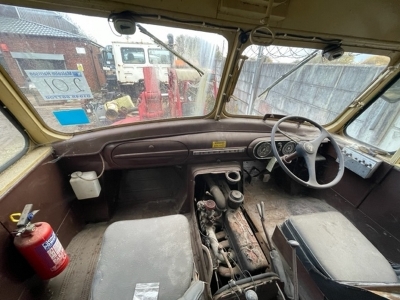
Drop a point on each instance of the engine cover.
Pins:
(241, 238)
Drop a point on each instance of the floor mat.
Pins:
(75, 281)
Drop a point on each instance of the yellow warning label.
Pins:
(219, 144)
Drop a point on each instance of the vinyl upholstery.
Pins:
(155, 250)
(338, 249)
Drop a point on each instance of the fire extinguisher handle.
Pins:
(32, 214)
(24, 218)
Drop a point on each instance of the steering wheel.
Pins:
(308, 150)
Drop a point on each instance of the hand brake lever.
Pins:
(261, 208)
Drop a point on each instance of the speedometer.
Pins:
(288, 148)
(262, 150)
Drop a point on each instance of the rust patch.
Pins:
(247, 248)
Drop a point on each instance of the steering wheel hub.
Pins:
(308, 147)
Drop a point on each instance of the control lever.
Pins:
(275, 258)
(294, 244)
(261, 208)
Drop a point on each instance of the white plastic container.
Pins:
(85, 184)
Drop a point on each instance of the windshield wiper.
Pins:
(300, 64)
(161, 43)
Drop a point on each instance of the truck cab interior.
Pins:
(256, 157)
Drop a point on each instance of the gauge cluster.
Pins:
(263, 149)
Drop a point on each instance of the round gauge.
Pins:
(289, 148)
(262, 150)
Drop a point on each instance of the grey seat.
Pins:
(338, 249)
(337, 256)
(156, 250)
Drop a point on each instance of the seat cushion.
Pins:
(338, 249)
(156, 250)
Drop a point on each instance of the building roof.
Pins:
(19, 26)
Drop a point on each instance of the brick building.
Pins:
(32, 39)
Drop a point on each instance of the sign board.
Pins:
(60, 84)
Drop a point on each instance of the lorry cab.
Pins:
(246, 150)
(129, 59)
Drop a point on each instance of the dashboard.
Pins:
(199, 148)
(181, 142)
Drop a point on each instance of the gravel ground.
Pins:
(11, 140)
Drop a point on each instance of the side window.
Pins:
(132, 55)
(159, 56)
(13, 143)
(379, 124)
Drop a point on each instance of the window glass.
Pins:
(159, 56)
(379, 124)
(133, 55)
(300, 81)
(12, 141)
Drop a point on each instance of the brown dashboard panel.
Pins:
(147, 153)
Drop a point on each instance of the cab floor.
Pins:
(75, 282)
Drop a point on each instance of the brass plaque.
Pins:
(219, 144)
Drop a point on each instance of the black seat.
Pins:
(337, 253)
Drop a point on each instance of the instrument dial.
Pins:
(289, 148)
(262, 150)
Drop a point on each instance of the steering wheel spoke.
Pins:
(324, 134)
(312, 175)
(308, 150)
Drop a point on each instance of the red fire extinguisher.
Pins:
(40, 246)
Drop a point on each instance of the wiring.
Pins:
(210, 263)
(231, 287)
(112, 30)
(101, 173)
(328, 41)
(224, 27)
(160, 17)
(312, 38)
(252, 280)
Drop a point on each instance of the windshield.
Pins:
(300, 81)
(79, 74)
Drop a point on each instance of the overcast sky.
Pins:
(99, 28)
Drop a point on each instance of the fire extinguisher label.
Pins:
(54, 251)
